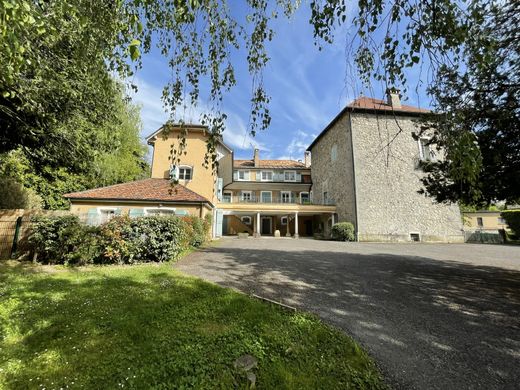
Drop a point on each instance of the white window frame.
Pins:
(285, 178)
(100, 210)
(270, 196)
(308, 196)
(184, 167)
(334, 153)
(325, 197)
(246, 192)
(282, 194)
(146, 210)
(230, 193)
(282, 219)
(248, 217)
(262, 175)
(246, 173)
(480, 223)
(421, 149)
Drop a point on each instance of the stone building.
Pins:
(366, 162)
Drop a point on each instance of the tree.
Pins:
(81, 39)
(112, 153)
(479, 128)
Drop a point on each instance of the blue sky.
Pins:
(307, 88)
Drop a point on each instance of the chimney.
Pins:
(307, 159)
(393, 99)
(257, 158)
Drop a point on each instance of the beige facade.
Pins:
(367, 161)
(484, 220)
(203, 178)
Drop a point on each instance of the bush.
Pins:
(63, 240)
(343, 231)
(512, 218)
(122, 240)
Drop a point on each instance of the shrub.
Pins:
(197, 231)
(512, 218)
(343, 231)
(63, 240)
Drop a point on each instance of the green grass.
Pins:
(148, 326)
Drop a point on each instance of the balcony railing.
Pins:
(274, 200)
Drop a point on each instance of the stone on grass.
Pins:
(246, 362)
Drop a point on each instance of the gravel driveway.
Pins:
(433, 316)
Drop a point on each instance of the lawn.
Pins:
(148, 326)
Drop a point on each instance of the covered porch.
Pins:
(289, 221)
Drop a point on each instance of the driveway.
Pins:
(433, 316)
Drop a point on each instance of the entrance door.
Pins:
(308, 227)
(266, 225)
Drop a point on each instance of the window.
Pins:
(289, 176)
(246, 196)
(106, 215)
(334, 152)
(286, 196)
(159, 211)
(283, 220)
(243, 175)
(246, 219)
(415, 237)
(325, 197)
(267, 176)
(304, 198)
(501, 221)
(227, 197)
(266, 196)
(480, 222)
(425, 152)
(185, 173)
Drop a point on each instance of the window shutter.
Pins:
(298, 177)
(258, 176)
(118, 211)
(92, 216)
(235, 175)
(218, 223)
(181, 212)
(247, 175)
(219, 188)
(135, 213)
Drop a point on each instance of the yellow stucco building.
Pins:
(259, 197)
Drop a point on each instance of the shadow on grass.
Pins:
(430, 323)
(146, 326)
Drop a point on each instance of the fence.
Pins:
(484, 237)
(15, 226)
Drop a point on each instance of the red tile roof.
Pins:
(367, 103)
(371, 105)
(281, 164)
(147, 189)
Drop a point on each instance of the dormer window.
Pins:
(185, 173)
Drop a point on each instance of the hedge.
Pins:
(122, 240)
(512, 218)
(343, 231)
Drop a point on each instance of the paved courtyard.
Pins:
(433, 316)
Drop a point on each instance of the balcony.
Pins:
(274, 200)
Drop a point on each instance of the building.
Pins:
(366, 161)
(256, 196)
(365, 170)
(484, 220)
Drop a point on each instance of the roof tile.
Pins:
(147, 189)
(381, 105)
(284, 164)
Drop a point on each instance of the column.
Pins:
(333, 222)
(288, 232)
(296, 225)
(257, 233)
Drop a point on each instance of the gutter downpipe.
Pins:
(356, 232)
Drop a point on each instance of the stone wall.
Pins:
(332, 169)
(387, 182)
